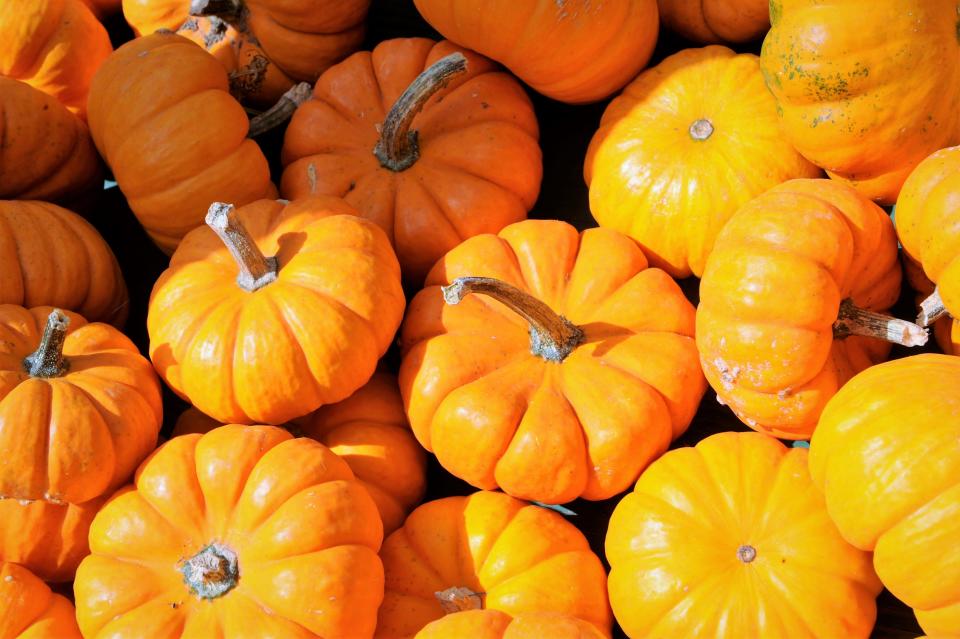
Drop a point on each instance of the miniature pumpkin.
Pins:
(730, 539)
(103, 8)
(791, 303)
(510, 386)
(242, 532)
(865, 91)
(885, 455)
(455, 156)
(671, 161)
(54, 46)
(29, 610)
(47, 153)
(79, 406)
(53, 257)
(275, 309)
(488, 551)
(493, 624)
(716, 20)
(49, 539)
(573, 51)
(175, 141)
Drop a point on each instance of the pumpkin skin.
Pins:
(29, 610)
(47, 153)
(479, 166)
(520, 558)
(311, 337)
(304, 544)
(493, 624)
(575, 51)
(103, 8)
(713, 21)
(709, 104)
(885, 456)
(495, 414)
(771, 293)
(866, 104)
(53, 257)
(176, 142)
(730, 539)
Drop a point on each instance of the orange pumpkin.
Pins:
(574, 51)
(488, 551)
(52, 45)
(493, 624)
(242, 532)
(29, 610)
(675, 155)
(455, 156)
(791, 302)
(103, 8)
(175, 141)
(254, 339)
(47, 153)
(716, 20)
(49, 539)
(865, 91)
(729, 539)
(885, 455)
(79, 406)
(510, 387)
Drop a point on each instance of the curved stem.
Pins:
(256, 271)
(397, 149)
(219, 8)
(552, 336)
(458, 599)
(281, 111)
(47, 360)
(212, 572)
(931, 309)
(853, 320)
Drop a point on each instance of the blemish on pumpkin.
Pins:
(312, 177)
(784, 393)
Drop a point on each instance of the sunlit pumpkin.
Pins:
(29, 610)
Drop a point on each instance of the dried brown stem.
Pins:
(931, 309)
(256, 271)
(48, 360)
(853, 320)
(281, 111)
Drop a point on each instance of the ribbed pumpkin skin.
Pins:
(176, 141)
(651, 178)
(53, 45)
(493, 624)
(866, 89)
(711, 21)
(523, 558)
(479, 167)
(771, 292)
(50, 256)
(103, 8)
(574, 51)
(497, 415)
(47, 153)
(885, 454)
(674, 548)
(29, 610)
(305, 535)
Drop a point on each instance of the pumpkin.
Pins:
(369, 431)
(730, 539)
(175, 141)
(574, 51)
(275, 309)
(49, 539)
(865, 91)
(792, 301)
(507, 370)
(488, 551)
(54, 46)
(455, 156)
(103, 8)
(673, 158)
(29, 610)
(53, 257)
(47, 153)
(716, 20)
(885, 455)
(493, 624)
(79, 406)
(242, 532)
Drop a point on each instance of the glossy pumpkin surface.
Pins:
(29, 610)
(494, 624)
(712, 21)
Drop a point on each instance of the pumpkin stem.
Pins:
(701, 129)
(746, 553)
(256, 271)
(931, 309)
(552, 336)
(853, 320)
(212, 572)
(458, 599)
(47, 360)
(218, 8)
(398, 149)
(281, 111)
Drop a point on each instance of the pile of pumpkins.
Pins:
(540, 364)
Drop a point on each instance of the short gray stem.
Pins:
(931, 309)
(256, 271)
(212, 572)
(281, 111)
(47, 360)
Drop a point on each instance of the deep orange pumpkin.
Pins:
(29, 610)
(710, 21)
(493, 624)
